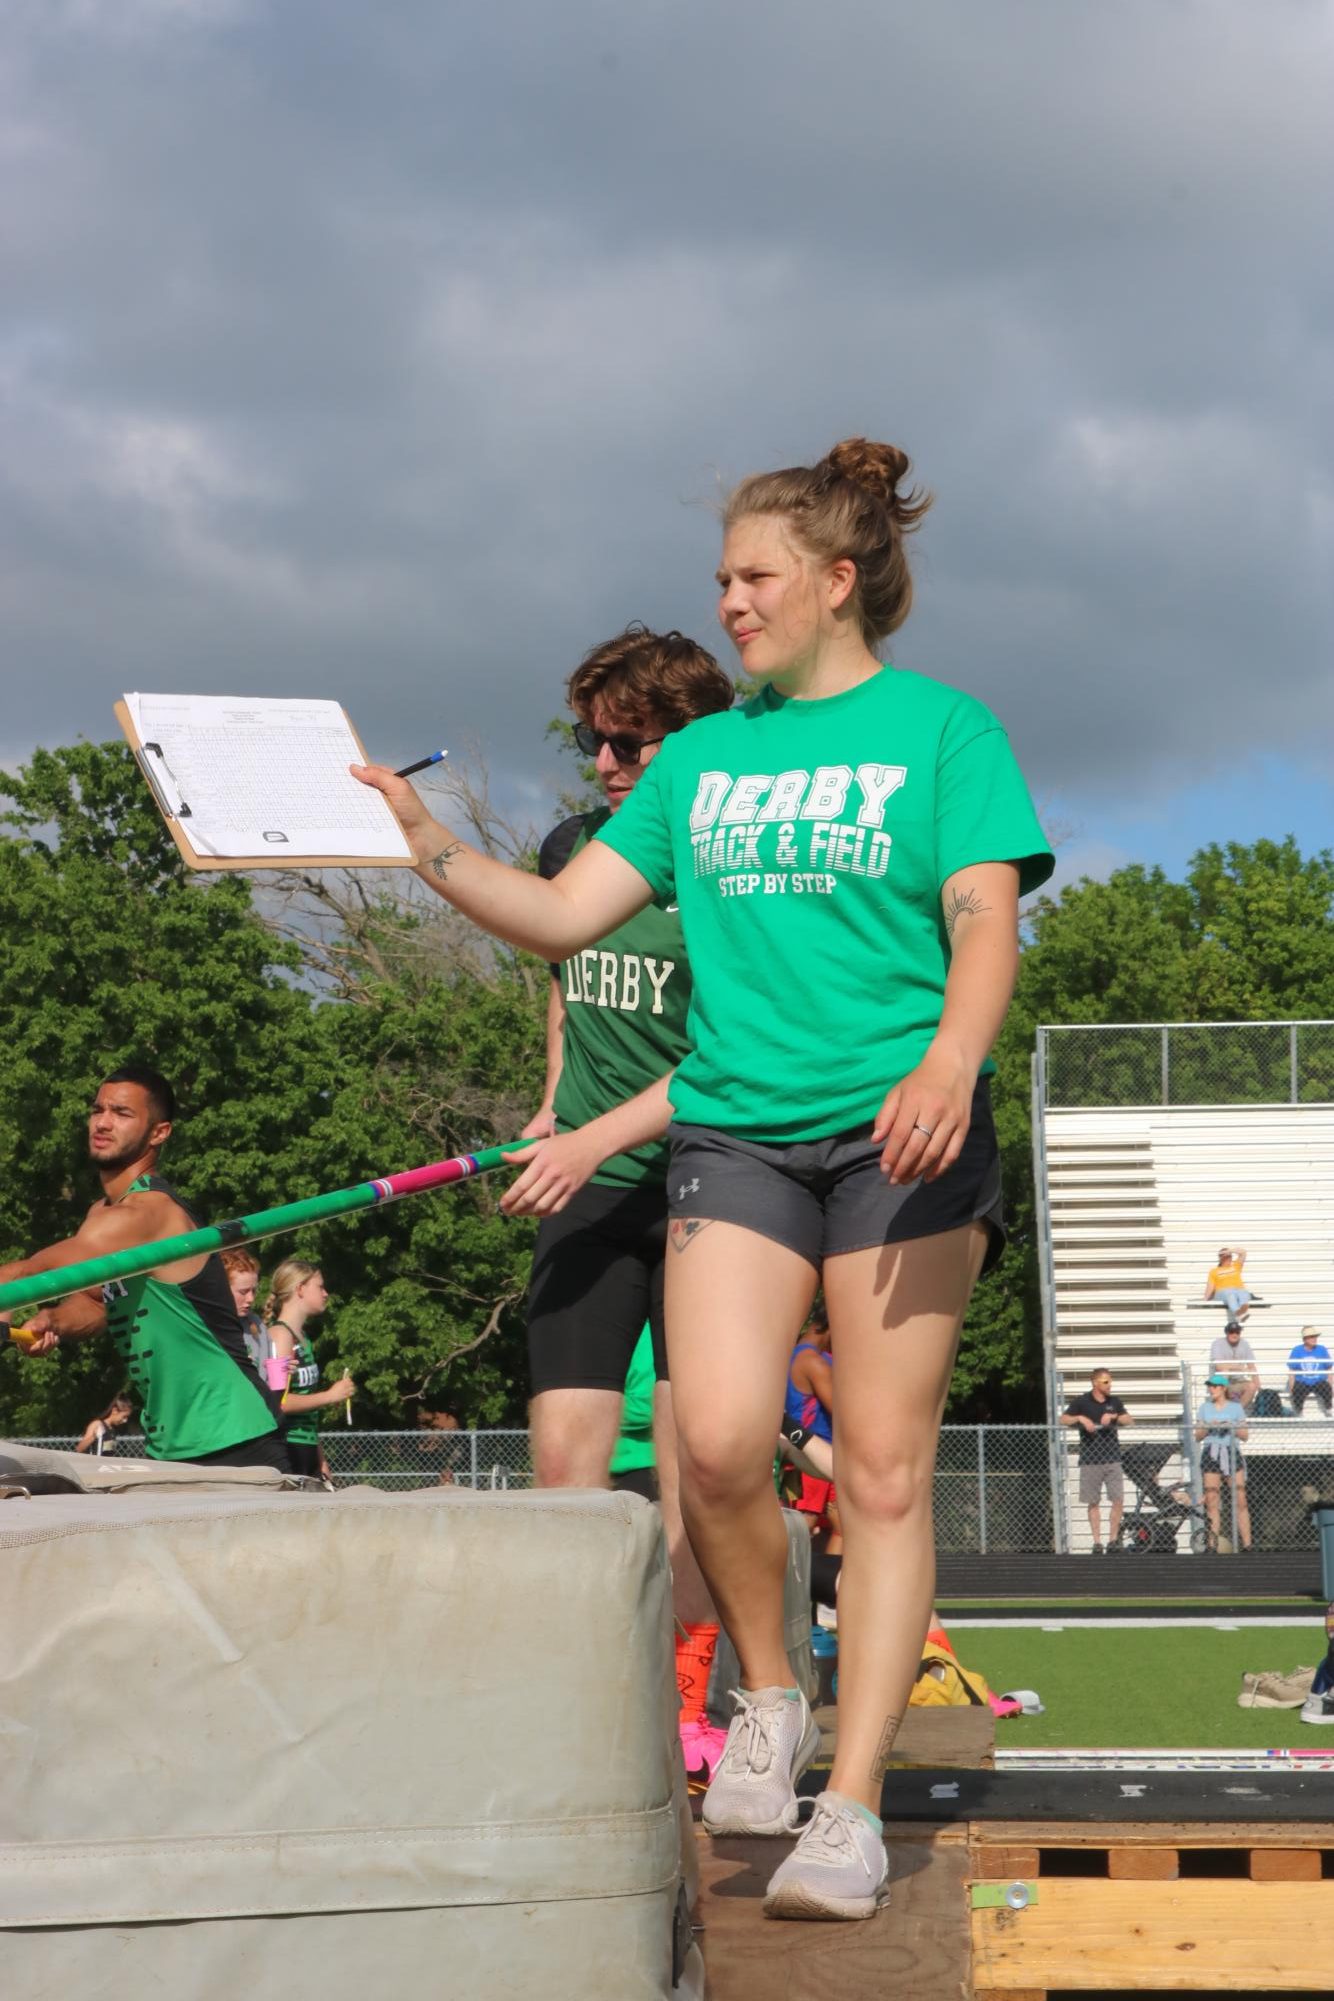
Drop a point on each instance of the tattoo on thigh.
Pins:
(682, 1230)
(883, 1748)
(440, 866)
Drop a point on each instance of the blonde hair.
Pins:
(849, 505)
(290, 1276)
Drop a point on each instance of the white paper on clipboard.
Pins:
(262, 775)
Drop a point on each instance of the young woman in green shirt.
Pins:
(848, 850)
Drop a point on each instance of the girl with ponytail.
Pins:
(848, 849)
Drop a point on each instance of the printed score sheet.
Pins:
(262, 779)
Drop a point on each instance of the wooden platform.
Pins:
(990, 1909)
(1192, 1907)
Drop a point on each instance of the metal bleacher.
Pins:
(1135, 1199)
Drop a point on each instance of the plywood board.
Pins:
(1215, 1936)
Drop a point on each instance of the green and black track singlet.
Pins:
(626, 1003)
(185, 1356)
(303, 1429)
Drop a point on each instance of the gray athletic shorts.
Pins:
(1103, 1475)
(822, 1197)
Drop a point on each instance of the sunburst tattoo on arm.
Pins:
(963, 903)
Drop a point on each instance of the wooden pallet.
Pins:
(1196, 1907)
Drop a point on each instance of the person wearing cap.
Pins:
(1233, 1354)
(1309, 1367)
(1225, 1282)
(1220, 1427)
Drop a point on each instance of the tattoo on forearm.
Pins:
(963, 903)
(683, 1230)
(440, 866)
(883, 1749)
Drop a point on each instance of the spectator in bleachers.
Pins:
(1220, 1427)
(1309, 1367)
(1100, 1416)
(1233, 1356)
(1226, 1282)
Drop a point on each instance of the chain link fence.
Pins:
(999, 1489)
(1187, 1063)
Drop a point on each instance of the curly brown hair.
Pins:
(651, 681)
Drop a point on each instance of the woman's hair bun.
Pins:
(880, 470)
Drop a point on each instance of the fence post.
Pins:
(981, 1491)
(472, 1460)
(1167, 1068)
(1292, 1065)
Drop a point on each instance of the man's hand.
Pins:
(554, 1171)
(542, 1125)
(42, 1326)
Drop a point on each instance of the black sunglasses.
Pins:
(625, 749)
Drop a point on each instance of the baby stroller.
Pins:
(1154, 1521)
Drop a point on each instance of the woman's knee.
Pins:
(719, 1468)
(885, 1487)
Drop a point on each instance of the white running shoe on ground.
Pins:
(838, 1869)
(1319, 1708)
(1276, 1691)
(772, 1739)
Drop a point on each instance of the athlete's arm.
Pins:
(556, 1169)
(338, 1392)
(593, 894)
(542, 1125)
(924, 1120)
(815, 1373)
(142, 1218)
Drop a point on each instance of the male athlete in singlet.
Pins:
(176, 1328)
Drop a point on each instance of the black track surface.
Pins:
(1265, 1574)
(1240, 1796)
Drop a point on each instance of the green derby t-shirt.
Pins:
(806, 843)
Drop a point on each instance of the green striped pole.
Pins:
(132, 1263)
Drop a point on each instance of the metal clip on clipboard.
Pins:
(178, 812)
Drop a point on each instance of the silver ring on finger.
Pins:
(919, 1128)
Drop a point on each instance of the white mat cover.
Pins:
(258, 1743)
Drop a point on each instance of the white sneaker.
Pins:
(1319, 1708)
(838, 1869)
(771, 1740)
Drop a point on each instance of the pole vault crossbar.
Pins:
(140, 1258)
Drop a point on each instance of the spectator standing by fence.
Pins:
(1309, 1367)
(1233, 1357)
(1099, 1416)
(1220, 1427)
(102, 1434)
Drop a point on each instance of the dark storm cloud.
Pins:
(396, 352)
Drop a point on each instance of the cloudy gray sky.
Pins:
(398, 352)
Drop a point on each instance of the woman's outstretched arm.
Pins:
(591, 896)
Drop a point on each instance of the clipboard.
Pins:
(178, 823)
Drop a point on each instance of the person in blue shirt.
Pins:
(1309, 1367)
(1220, 1427)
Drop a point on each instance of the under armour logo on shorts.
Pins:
(687, 1188)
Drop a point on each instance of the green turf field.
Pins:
(1153, 1688)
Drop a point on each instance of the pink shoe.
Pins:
(702, 1746)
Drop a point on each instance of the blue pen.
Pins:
(421, 764)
